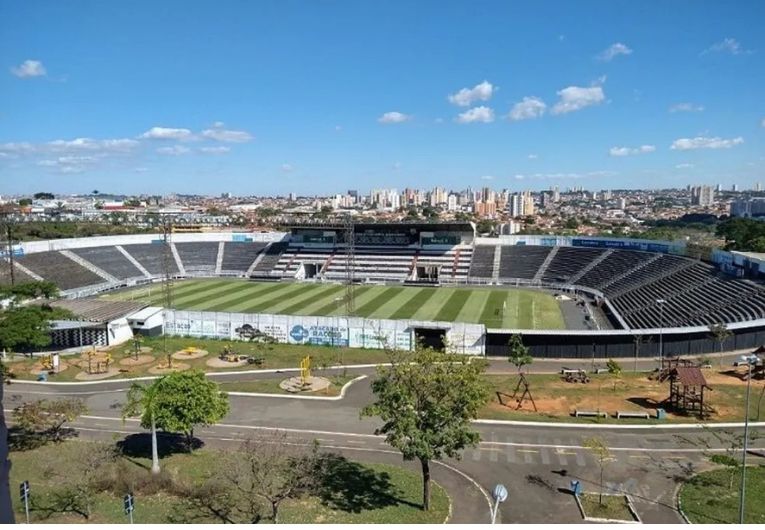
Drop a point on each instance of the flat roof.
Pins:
(145, 313)
(103, 311)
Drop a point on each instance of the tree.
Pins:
(639, 340)
(28, 327)
(599, 449)
(47, 417)
(181, 401)
(519, 354)
(615, 369)
(42, 195)
(141, 401)
(79, 477)
(426, 400)
(249, 485)
(720, 333)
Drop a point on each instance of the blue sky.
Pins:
(316, 97)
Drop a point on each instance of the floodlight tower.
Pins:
(350, 263)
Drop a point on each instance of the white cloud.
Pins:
(684, 165)
(487, 177)
(69, 164)
(627, 151)
(466, 96)
(89, 144)
(614, 50)
(287, 168)
(703, 142)
(29, 68)
(686, 107)
(396, 166)
(167, 133)
(217, 150)
(338, 128)
(533, 156)
(394, 117)
(227, 135)
(175, 150)
(727, 45)
(528, 108)
(219, 124)
(476, 114)
(574, 98)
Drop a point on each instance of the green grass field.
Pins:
(523, 308)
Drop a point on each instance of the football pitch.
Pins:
(496, 308)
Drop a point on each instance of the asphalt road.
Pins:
(535, 462)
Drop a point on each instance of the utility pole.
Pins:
(350, 263)
(167, 281)
(8, 229)
(742, 499)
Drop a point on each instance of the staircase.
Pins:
(88, 265)
(177, 257)
(219, 258)
(497, 258)
(543, 267)
(134, 261)
(594, 263)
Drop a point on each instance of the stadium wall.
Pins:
(322, 331)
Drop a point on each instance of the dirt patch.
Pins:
(142, 359)
(85, 376)
(161, 369)
(220, 363)
(189, 354)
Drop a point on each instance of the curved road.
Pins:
(536, 461)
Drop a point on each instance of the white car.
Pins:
(746, 359)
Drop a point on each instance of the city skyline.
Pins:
(267, 100)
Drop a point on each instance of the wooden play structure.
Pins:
(687, 387)
(519, 396)
(98, 364)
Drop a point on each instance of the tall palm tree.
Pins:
(141, 401)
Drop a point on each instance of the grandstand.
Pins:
(618, 281)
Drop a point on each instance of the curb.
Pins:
(630, 507)
(616, 426)
(295, 396)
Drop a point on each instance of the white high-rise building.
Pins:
(451, 203)
(702, 196)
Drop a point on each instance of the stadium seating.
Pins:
(271, 257)
(18, 275)
(568, 262)
(482, 265)
(617, 263)
(57, 268)
(151, 257)
(109, 260)
(198, 256)
(238, 256)
(521, 261)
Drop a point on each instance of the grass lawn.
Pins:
(276, 356)
(634, 392)
(712, 497)
(370, 493)
(497, 308)
(271, 386)
(613, 507)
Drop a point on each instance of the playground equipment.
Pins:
(305, 369)
(101, 365)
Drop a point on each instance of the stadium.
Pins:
(349, 284)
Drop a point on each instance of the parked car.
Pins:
(746, 359)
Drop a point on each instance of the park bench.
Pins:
(589, 413)
(626, 414)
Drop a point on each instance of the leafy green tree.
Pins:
(720, 333)
(27, 290)
(518, 353)
(615, 370)
(28, 327)
(43, 196)
(178, 402)
(426, 400)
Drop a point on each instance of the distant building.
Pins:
(702, 196)
(754, 207)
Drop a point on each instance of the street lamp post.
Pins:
(499, 493)
(661, 301)
(742, 498)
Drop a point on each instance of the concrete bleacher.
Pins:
(151, 257)
(374, 264)
(110, 260)
(57, 268)
(19, 276)
(617, 263)
(453, 263)
(271, 257)
(568, 262)
(521, 261)
(198, 256)
(238, 256)
(482, 265)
